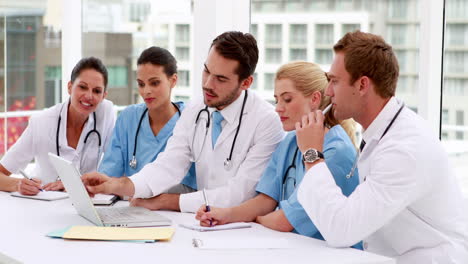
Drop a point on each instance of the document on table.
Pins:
(45, 195)
(104, 199)
(196, 226)
(115, 233)
(240, 243)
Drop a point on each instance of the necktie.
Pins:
(216, 129)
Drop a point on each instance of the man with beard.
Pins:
(230, 136)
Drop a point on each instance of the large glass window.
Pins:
(118, 31)
(455, 88)
(30, 65)
(311, 28)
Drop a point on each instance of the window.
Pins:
(298, 54)
(273, 34)
(118, 31)
(350, 28)
(397, 34)
(182, 54)
(30, 66)
(455, 88)
(182, 34)
(298, 34)
(269, 82)
(273, 55)
(117, 76)
(445, 116)
(183, 78)
(323, 56)
(255, 82)
(324, 34)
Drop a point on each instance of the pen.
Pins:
(29, 178)
(327, 108)
(207, 205)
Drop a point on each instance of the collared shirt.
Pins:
(39, 138)
(259, 134)
(339, 153)
(409, 207)
(116, 161)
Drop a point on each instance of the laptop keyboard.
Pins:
(123, 214)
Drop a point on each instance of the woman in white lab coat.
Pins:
(77, 130)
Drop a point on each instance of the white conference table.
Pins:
(24, 224)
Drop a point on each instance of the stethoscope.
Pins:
(363, 143)
(228, 161)
(94, 130)
(133, 163)
(286, 173)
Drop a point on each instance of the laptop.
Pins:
(114, 216)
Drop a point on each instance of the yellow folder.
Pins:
(119, 233)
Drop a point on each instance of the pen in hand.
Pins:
(327, 109)
(207, 209)
(29, 178)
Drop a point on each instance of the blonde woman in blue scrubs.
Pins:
(142, 130)
(299, 89)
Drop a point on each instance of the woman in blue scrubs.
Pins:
(142, 130)
(299, 89)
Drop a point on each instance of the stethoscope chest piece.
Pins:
(227, 164)
(133, 163)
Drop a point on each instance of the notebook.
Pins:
(113, 216)
(45, 195)
(198, 227)
(98, 199)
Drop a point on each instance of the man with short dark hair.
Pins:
(408, 204)
(230, 136)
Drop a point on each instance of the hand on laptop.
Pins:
(29, 187)
(100, 183)
(54, 186)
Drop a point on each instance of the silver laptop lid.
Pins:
(71, 179)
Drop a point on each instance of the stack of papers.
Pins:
(151, 234)
(198, 227)
(45, 195)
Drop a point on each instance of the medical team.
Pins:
(394, 196)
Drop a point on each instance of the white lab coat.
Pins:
(408, 205)
(39, 138)
(259, 134)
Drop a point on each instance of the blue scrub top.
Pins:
(119, 153)
(339, 154)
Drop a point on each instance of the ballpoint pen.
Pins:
(207, 208)
(29, 178)
(327, 109)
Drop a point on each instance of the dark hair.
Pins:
(159, 56)
(90, 63)
(241, 47)
(369, 55)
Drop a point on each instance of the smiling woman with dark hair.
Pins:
(77, 130)
(142, 130)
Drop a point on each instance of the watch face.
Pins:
(310, 155)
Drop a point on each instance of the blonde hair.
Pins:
(309, 78)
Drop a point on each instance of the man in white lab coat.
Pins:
(408, 204)
(230, 135)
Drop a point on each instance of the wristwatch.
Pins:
(312, 155)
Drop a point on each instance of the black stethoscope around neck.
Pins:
(228, 162)
(133, 163)
(94, 130)
(285, 176)
(363, 143)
